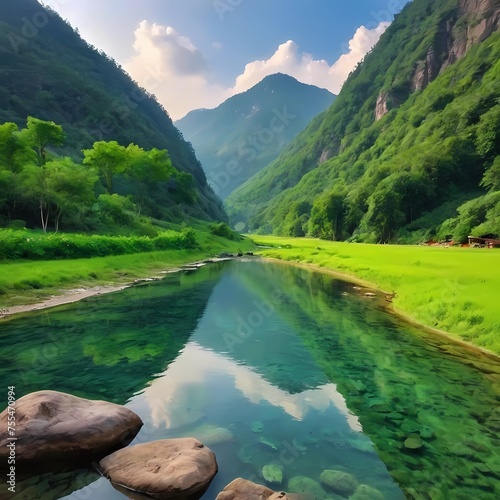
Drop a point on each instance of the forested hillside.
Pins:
(245, 133)
(47, 71)
(413, 135)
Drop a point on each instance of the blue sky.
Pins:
(196, 53)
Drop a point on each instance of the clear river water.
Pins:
(269, 364)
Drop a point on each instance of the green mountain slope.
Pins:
(245, 133)
(48, 71)
(408, 139)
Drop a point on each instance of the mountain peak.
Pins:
(252, 128)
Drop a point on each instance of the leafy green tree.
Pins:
(7, 192)
(295, 223)
(15, 149)
(491, 179)
(384, 214)
(184, 186)
(477, 217)
(114, 209)
(109, 159)
(488, 133)
(71, 187)
(147, 169)
(414, 191)
(328, 217)
(42, 133)
(34, 189)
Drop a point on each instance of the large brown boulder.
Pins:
(170, 468)
(53, 426)
(242, 489)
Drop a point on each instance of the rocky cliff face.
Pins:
(474, 21)
(386, 101)
(382, 106)
(478, 20)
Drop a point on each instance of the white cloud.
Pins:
(171, 67)
(301, 65)
(180, 397)
(168, 65)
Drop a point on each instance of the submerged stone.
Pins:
(273, 473)
(211, 434)
(460, 450)
(365, 492)
(256, 454)
(362, 445)
(257, 427)
(493, 421)
(426, 433)
(245, 453)
(339, 481)
(307, 486)
(270, 443)
(394, 416)
(413, 443)
(298, 445)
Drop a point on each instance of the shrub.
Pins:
(17, 224)
(223, 230)
(16, 245)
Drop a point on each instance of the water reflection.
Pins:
(270, 364)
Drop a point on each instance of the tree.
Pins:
(147, 169)
(491, 179)
(33, 187)
(42, 133)
(57, 186)
(384, 214)
(184, 185)
(71, 186)
(107, 158)
(414, 192)
(328, 216)
(295, 223)
(15, 149)
(15, 153)
(7, 191)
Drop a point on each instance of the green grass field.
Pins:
(452, 289)
(27, 282)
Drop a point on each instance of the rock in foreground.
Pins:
(53, 426)
(242, 489)
(170, 468)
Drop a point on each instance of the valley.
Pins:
(249, 251)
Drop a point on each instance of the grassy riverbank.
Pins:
(30, 281)
(453, 289)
